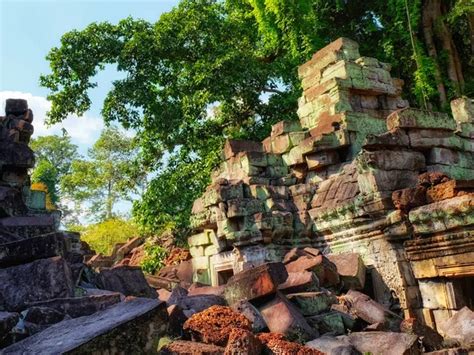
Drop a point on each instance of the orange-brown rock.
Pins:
(276, 344)
(431, 179)
(242, 341)
(190, 347)
(213, 325)
(449, 189)
(409, 198)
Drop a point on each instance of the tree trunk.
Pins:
(428, 16)
(470, 21)
(109, 202)
(444, 35)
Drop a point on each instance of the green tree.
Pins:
(239, 58)
(107, 176)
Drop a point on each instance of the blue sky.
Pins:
(30, 28)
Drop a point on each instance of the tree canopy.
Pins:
(210, 69)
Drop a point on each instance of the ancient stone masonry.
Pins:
(43, 279)
(361, 172)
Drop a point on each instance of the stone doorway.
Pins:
(223, 276)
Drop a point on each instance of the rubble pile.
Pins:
(382, 191)
(50, 299)
(254, 314)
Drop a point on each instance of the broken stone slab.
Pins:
(350, 268)
(460, 327)
(281, 316)
(38, 318)
(320, 265)
(7, 322)
(176, 319)
(331, 345)
(128, 280)
(182, 347)
(27, 250)
(79, 306)
(303, 281)
(384, 343)
(251, 313)
(242, 341)
(415, 118)
(213, 325)
(39, 280)
(128, 247)
(370, 311)
(430, 338)
(330, 322)
(312, 303)
(256, 282)
(129, 327)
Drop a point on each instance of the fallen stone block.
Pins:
(242, 341)
(176, 320)
(27, 250)
(130, 327)
(384, 343)
(127, 280)
(331, 345)
(195, 290)
(350, 268)
(253, 283)
(199, 303)
(184, 347)
(283, 317)
(370, 311)
(7, 322)
(460, 327)
(214, 324)
(275, 343)
(330, 322)
(312, 303)
(320, 265)
(79, 306)
(430, 338)
(251, 313)
(128, 247)
(39, 280)
(304, 281)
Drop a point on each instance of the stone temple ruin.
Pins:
(348, 232)
(384, 190)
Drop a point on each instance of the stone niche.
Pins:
(359, 172)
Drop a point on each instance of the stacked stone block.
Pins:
(334, 179)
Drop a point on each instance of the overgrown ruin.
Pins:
(361, 172)
(348, 232)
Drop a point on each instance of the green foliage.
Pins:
(45, 172)
(54, 155)
(103, 236)
(107, 176)
(154, 258)
(210, 70)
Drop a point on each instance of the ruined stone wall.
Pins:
(22, 211)
(352, 175)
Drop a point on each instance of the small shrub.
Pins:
(154, 258)
(103, 236)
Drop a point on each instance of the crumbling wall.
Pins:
(333, 180)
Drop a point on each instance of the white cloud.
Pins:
(84, 130)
